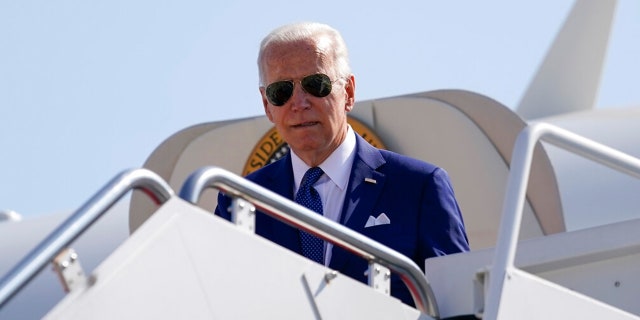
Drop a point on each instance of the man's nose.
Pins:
(299, 98)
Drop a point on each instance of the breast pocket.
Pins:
(393, 236)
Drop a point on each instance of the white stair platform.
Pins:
(186, 263)
(592, 270)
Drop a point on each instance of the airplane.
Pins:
(563, 204)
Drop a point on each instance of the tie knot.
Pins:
(310, 177)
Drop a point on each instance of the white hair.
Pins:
(302, 31)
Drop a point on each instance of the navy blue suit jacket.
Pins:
(416, 196)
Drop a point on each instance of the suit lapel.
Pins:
(361, 194)
(280, 180)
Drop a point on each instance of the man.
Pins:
(307, 90)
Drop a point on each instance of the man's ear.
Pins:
(350, 91)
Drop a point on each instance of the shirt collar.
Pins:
(337, 166)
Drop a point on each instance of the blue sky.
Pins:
(90, 88)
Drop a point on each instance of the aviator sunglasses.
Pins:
(279, 92)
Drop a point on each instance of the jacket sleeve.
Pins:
(442, 228)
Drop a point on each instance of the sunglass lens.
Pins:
(318, 84)
(279, 92)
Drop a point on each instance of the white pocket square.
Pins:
(380, 220)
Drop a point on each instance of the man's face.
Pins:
(312, 126)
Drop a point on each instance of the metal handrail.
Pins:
(146, 180)
(300, 217)
(517, 186)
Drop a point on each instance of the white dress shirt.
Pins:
(332, 185)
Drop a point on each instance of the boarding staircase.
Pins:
(184, 262)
